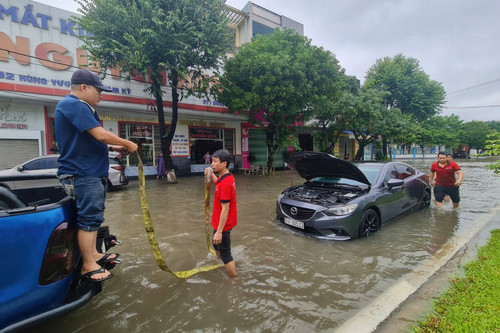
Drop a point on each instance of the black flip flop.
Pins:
(105, 259)
(88, 276)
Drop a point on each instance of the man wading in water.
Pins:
(446, 184)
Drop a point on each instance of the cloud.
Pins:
(455, 41)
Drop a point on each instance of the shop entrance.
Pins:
(200, 147)
(203, 140)
(142, 135)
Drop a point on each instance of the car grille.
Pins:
(302, 213)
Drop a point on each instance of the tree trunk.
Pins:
(270, 147)
(169, 165)
(360, 153)
(166, 138)
(325, 139)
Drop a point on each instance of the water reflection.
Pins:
(288, 281)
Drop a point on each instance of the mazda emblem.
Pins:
(293, 210)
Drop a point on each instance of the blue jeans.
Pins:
(90, 195)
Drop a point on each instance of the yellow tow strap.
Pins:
(151, 234)
(207, 211)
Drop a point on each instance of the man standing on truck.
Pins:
(83, 165)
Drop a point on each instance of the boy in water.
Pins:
(224, 216)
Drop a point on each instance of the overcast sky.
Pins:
(455, 41)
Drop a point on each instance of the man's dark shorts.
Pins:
(452, 191)
(224, 248)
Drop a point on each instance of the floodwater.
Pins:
(288, 282)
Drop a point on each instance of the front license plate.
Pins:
(294, 223)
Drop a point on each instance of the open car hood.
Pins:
(311, 164)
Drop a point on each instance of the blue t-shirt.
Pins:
(81, 154)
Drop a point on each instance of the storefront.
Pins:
(40, 51)
(21, 132)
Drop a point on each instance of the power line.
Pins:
(471, 107)
(465, 90)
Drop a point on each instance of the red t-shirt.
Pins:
(225, 191)
(445, 176)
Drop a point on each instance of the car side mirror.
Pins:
(395, 183)
(20, 168)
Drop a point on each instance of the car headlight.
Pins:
(342, 210)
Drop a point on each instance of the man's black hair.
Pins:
(223, 156)
(442, 153)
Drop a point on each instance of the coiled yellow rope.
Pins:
(151, 234)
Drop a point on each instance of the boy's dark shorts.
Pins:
(224, 248)
(452, 191)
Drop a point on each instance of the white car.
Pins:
(41, 172)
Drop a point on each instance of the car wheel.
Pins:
(426, 199)
(370, 223)
(109, 186)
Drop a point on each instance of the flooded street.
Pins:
(287, 281)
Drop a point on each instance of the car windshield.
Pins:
(371, 173)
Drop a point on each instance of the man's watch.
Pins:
(110, 148)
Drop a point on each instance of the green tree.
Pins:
(364, 115)
(329, 121)
(475, 133)
(494, 125)
(278, 80)
(448, 131)
(421, 134)
(408, 88)
(395, 125)
(438, 130)
(182, 38)
(492, 148)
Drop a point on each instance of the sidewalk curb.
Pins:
(368, 319)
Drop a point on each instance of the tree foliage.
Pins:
(438, 130)
(494, 125)
(395, 124)
(475, 133)
(363, 113)
(421, 134)
(408, 87)
(278, 80)
(492, 148)
(328, 120)
(448, 131)
(183, 38)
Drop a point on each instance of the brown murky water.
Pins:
(288, 282)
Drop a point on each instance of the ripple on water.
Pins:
(287, 281)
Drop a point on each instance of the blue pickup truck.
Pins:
(39, 258)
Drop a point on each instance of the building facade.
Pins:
(39, 51)
(255, 20)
